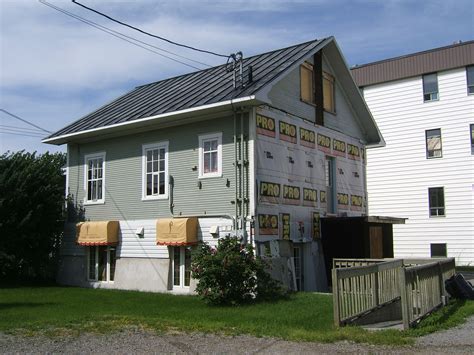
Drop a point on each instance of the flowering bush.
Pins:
(231, 274)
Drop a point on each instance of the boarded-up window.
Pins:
(328, 92)
(433, 143)
(306, 83)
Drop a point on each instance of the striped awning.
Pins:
(176, 231)
(97, 233)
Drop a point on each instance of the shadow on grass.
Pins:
(20, 284)
(9, 305)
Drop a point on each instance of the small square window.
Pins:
(470, 79)
(438, 250)
(436, 201)
(430, 87)
(210, 155)
(433, 143)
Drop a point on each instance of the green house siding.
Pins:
(123, 174)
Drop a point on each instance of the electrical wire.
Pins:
(33, 130)
(21, 131)
(122, 36)
(150, 34)
(25, 121)
(21, 134)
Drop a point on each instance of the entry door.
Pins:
(376, 242)
(181, 267)
(298, 260)
(330, 185)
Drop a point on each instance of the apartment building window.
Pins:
(181, 267)
(470, 79)
(94, 171)
(472, 138)
(306, 83)
(101, 263)
(155, 170)
(210, 155)
(328, 93)
(430, 87)
(438, 250)
(433, 143)
(436, 201)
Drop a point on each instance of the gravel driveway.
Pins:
(456, 340)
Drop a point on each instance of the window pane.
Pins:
(470, 79)
(92, 263)
(430, 83)
(155, 166)
(162, 153)
(94, 190)
(162, 165)
(112, 263)
(149, 155)
(155, 154)
(472, 139)
(213, 162)
(148, 184)
(149, 167)
(99, 190)
(89, 190)
(433, 143)
(207, 146)
(176, 262)
(436, 201)
(155, 184)
(187, 267)
(214, 144)
(102, 263)
(207, 162)
(162, 184)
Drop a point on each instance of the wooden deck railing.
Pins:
(361, 286)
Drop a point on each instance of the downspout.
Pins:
(235, 165)
(242, 179)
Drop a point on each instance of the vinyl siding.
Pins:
(123, 174)
(399, 175)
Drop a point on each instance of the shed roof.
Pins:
(433, 60)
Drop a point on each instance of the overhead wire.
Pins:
(124, 37)
(150, 34)
(24, 120)
(21, 134)
(33, 130)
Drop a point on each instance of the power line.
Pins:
(33, 130)
(21, 134)
(123, 37)
(21, 131)
(23, 120)
(150, 34)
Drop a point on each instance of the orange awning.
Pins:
(176, 231)
(97, 233)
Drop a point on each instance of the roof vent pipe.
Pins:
(250, 74)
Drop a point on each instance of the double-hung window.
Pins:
(94, 171)
(433, 143)
(210, 155)
(155, 171)
(101, 263)
(472, 138)
(430, 87)
(436, 201)
(470, 79)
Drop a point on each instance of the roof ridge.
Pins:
(223, 65)
(358, 66)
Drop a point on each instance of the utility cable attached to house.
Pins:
(25, 121)
(151, 34)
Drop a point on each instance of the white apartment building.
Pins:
(423, 104)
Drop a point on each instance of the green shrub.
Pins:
(231, 274)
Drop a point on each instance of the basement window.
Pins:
(438, 250)
(430, 87)
(436, 201)
(433, 143)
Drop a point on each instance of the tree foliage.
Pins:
(231, 274)
(31, 210)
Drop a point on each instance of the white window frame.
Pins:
(96, 267)
(145, 147)
(88, 157)
(182, 268)
(202, 139)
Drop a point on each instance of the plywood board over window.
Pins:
(306, 83)
(328, 93)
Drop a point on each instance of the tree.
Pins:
(231, 274)
(31, 214)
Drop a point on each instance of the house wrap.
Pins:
(265, 156)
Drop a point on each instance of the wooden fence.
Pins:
(361, 286)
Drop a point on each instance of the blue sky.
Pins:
(54, 69)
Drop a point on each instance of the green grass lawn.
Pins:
(304, 316)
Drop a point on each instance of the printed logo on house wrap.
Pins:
(307, 138)
(316, 225)
(310, 197)
(324, 143)
(267, 224)
(342, 200)
(291, 195)
(265, 126)
(288, 132)
(357, 202)
(353, 152)
(285, 226)
(339, 148)
(269, 192)
(322, 196)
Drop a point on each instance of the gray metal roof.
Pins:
(191, 90)
(437, 59)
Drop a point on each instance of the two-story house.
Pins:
(423, 104)
(263, 153)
